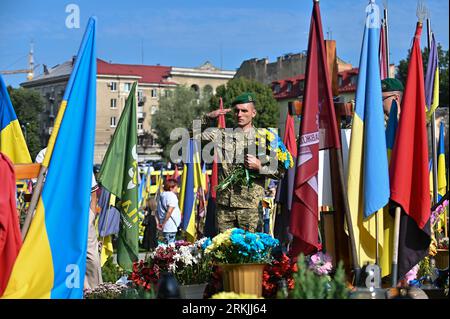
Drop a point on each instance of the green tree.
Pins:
(266, 105)
(28, 104)
(443, 57)
(177, 110)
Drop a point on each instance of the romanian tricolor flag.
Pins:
(52, 261)
(191, 181)
(368, 172)
(12, 142)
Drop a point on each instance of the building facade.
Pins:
(287, 91)
(286, 66)
(114, 82)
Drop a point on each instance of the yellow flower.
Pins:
(233, 295)
(219, 240)
(282, 157)
(270, 135)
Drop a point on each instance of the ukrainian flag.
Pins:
(441, 176)
(368, 174)
(191, 181)
(52, 261)
(12, 143)
(391, 128)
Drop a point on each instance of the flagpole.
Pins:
(377, 253)
(34, 200)
(356, 268)
(395, 246)
(386, 38)
(433, 129)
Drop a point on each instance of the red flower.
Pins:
(279, 269)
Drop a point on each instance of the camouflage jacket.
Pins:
(231, 146)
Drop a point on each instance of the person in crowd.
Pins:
(169, 214)
(150, 222)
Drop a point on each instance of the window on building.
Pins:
(302, 85)
(113, 86)
(289, 87)
(113, 103)
(140, 124)
(127, 87)
(195, 87)
(112, 121)
(276, 88)
(154, 93)
(340, 80)
(167, 93)
(153, 109)
(140, 94)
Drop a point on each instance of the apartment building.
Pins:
(114, 83)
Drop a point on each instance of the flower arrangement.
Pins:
(192, 265)
(143, 275)
(443, 243)
(320, 263)
(282, 268)
(268, 140)
(233, 295)
(411, 275)
(237, 246)
(435, 215)
(105, 290)
(185, 260)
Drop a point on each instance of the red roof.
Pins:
(148, 73)
(283, 92)
(296, 89)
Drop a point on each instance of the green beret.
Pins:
(246, 97)
(391, 84)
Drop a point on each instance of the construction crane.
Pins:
(31, 66)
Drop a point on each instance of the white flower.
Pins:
(172, 267)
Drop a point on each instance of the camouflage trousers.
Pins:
(230, 217)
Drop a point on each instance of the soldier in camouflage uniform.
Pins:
(237, 206)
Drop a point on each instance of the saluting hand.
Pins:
(252, 162)
(216, 113)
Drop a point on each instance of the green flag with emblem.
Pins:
(118, 174)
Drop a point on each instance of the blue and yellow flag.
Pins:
(12, 143)
(391, 128)
(430, 173)
(191, 181)
(52, 261)
(441, 174)
(368, 174)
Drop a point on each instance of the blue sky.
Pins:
(186, 33)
